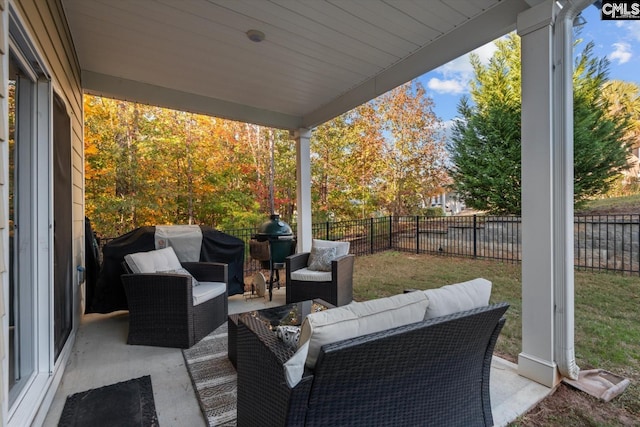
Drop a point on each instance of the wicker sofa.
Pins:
(430, 372)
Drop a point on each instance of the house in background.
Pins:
(284, 64)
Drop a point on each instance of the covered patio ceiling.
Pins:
(318, 60)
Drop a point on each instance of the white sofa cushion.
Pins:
(153, 261)
(207, 290)
(306, 275)
(349, 321)
(342, 248)
(463, 296)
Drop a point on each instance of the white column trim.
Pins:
(302, 138)
(547, 192)
(536, 361)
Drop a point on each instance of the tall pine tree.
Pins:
(486, 146)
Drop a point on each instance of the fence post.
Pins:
(417, 234)
(371, 234)
(390, 232)
(475, 236)
(327, 231)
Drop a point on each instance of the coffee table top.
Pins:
(288, 315)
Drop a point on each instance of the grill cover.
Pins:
(109, 294)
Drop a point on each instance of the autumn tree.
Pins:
(147, 165)
(414, 148)
(111, 153)
(331, 144)
(486, 146)
(366, 162)
(386, 156)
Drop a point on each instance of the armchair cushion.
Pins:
(308, 275)
(207, 291)
(153, 261)
(463, 296)
(320, 258)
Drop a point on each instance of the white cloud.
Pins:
(457, 67)
(486, 52)
(621, 53)
(451, 86)
(632, 29)
(458, 73)
(461, 65)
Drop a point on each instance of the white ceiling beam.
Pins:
(130, 90)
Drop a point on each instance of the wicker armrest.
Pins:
(263, 393)
(297, 261)
(208, 271)
(267, 339)
(147, 284)
(160, 309)
(343, 267)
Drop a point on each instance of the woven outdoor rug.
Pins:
(125, 404)
(214, 378)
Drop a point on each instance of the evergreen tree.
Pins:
(486, 145)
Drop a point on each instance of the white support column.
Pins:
(536, 361)
(303, 188)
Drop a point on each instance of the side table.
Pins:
(290, 314)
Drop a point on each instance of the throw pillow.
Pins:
(153, 261)
(320, 258)
(184, 272)
(289, 335)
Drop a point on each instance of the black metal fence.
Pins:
(601, 242)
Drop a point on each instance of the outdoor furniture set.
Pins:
(418, 358)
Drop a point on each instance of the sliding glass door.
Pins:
(30, 202)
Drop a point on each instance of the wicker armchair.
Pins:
(338, 290)
(161, 307)
(434, 372)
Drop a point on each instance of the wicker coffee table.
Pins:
(284, 315)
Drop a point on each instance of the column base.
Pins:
(538, 370)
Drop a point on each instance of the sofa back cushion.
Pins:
(360, 318)
(463, 296)
(349, 321)
(153, 261)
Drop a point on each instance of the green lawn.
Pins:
(607, 312)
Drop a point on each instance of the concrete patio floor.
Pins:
(101, 357)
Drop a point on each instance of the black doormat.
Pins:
(125, 404)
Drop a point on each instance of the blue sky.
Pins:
(617, 40)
